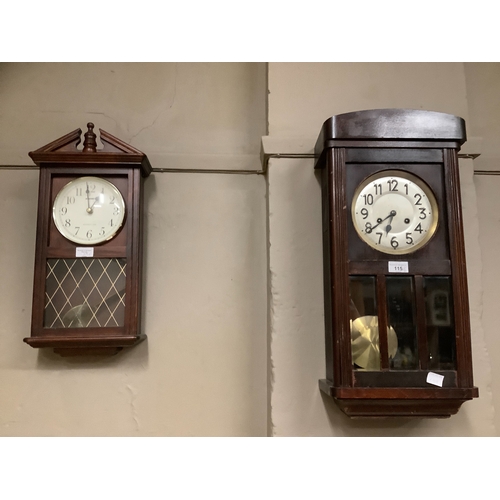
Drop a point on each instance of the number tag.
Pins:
(84, 252)
(398, 267)
(435, 379)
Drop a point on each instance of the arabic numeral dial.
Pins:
(394, 212)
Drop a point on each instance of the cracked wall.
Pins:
(214, 282)
(202, 371)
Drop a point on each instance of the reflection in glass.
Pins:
(440, 327)
(401, 316)
(363, 296)
(365, 345)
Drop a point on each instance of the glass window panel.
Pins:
(365, 347)
(85, 293)
(403, 347)
(363, 296)
(440, 325)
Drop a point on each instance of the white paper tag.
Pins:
(398, 267)
(435, 379)
(84, 251)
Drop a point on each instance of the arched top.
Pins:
(393, 124)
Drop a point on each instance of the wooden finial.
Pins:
(90, 144)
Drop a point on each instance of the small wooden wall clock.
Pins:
(396, 301)
(87, 278)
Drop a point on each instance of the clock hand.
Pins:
(389, 227)
(95, 201)
(89, 208)
(391, 215)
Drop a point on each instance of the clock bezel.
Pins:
(79, 241)
(415, 180)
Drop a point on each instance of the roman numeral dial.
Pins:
(88, 210)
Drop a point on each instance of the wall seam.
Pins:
(270, 316)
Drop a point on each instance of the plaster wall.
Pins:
(296, 294)
(320, 90)
(488, 208)
(483, 82)
(202, 371)
(483, 101)
(228, 257)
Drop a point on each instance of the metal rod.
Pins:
(486, 172)
(206, 171)
(262, 171)
(158, 170)
(18, 167)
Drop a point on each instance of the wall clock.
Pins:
(87, 278)
(397, 323)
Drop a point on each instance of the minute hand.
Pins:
(392, 214)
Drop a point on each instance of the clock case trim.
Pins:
(389, 136)
(380, 125)
(114, 151)
(117, 159)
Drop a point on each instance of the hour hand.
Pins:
(90, 209)
(389, 227)
(96, 199)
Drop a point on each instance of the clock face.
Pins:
(88, 210)
(394, 212)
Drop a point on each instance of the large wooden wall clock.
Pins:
(396, 301)
(87, 278)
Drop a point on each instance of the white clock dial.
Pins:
(394, 212)
(88, 210)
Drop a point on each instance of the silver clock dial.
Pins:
(394, 212)
(88, 210)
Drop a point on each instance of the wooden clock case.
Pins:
(126, 167)
(349, 148)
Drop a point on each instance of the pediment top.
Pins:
(113, 151)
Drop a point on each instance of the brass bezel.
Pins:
(412, 178)
(79, 241)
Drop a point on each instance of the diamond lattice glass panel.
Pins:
(84, 293)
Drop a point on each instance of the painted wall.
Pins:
(233, 294)
(296, 300)
(483, 82)
(321, 90)
(203, 368)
